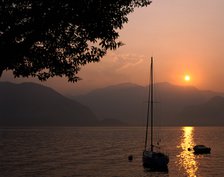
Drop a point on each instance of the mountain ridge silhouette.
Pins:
(30, 104)
(128, 102)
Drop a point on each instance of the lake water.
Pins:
(103, 152)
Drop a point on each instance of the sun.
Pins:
(187, 78)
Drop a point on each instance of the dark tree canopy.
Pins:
(46, 38)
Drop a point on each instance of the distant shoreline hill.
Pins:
(174, 105)
(209, 113)
(30, 104)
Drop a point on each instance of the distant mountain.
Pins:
(30, 104)
(124, 102)
(208, 113)
(174, 99)
(128, 102)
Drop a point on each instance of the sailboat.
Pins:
(152, 159)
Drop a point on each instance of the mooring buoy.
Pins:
(130, 158)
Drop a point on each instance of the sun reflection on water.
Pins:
(186, 158)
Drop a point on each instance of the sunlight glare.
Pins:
(187, 78)
(186, 158)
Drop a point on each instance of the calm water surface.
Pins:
(103, 152)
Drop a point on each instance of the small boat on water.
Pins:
(153, 160)
(201, 149)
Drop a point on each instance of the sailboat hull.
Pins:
(155, 161)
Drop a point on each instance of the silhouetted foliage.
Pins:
(46, 38)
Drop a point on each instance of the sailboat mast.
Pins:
(150, 107)
(147, 120)
(151, 101)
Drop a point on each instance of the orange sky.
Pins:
(184, 36)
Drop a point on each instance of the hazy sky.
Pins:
(184, 36)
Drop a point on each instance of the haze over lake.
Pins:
(30, 104)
